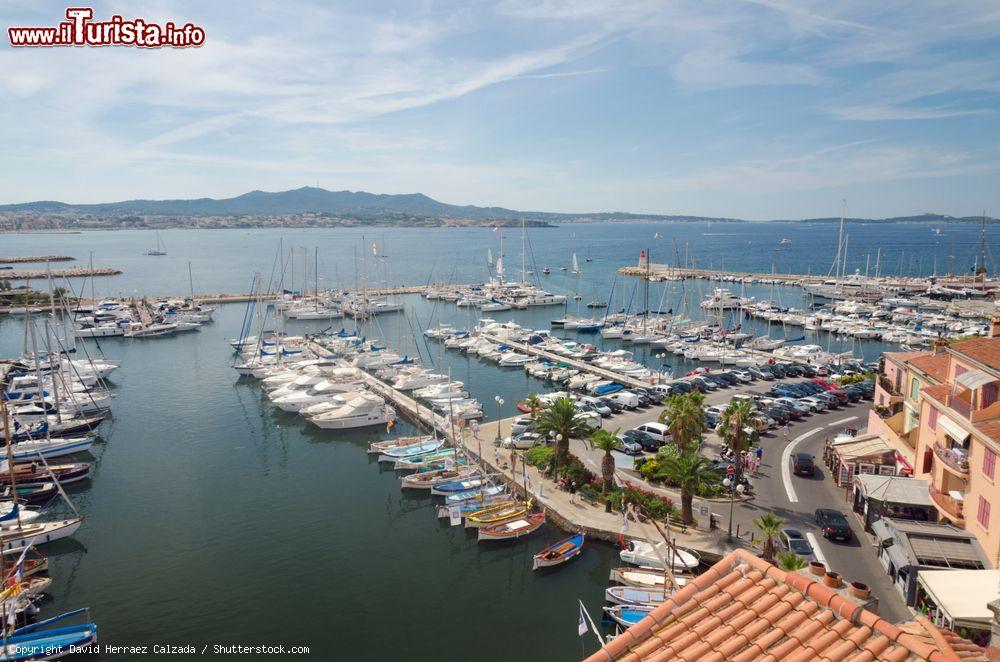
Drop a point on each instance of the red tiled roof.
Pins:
(744, 608)
(902, 357)
(991, 429)
(935, 365)
(984, 350)
(939, 392)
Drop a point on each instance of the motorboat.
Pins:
(641, 553)
(362, 411)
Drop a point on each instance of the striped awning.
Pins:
(973, 379)
(954, 430)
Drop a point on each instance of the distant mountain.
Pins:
(321, 201)
(921, 218)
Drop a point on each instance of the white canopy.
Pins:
(954, 430)
(973, 379)
(962, 594)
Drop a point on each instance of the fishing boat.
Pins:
(34, 494)
(38, 533)
(32, 642)
(31, 561)
(632, 595)
(468, 507)
(28, 451)
(512, 528)
(425, 480)
(497, 513)
(467, 496)
(546, 271)
(643, 577)
(426, 445)
(443, 456)
(458, 485)
(379, 447)
(597, 304)
(642, 553)
(558, 553)
(628, 615)
(38, 474)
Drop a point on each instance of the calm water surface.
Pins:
(212, 517)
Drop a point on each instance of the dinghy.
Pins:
(632, 595)
(34, 643)
(513, 528)
(469, 507)
(464, 484)
(559, 553)
(628, 615)
(497, 513)
(642, 577)
(642, 553)
(428, 479)
(38, 474)
(410, 450)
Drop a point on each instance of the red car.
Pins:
(829, 386)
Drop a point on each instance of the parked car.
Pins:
(596, 404)
(778, 370)
(626, 399)
(591, 418)
(777, 414)
(833, 524)
(729, 378)
(707, 383)
(792, 370)
(658, 431)
(802, 464)
(523, 441)
(743, 375)
(644, 439)
(832, 401)
(521, 425)
(797, 405)
(807, 371)
(793, 540)
(629, 447)
(792, 413)
(815, 404)
(614, 406)
(680, 387)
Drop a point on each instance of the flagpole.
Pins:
(597, 634)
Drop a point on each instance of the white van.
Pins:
(657, 431)
(626, 399)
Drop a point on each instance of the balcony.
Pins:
(956, 459)
(950, 507)
(892, 430)
(890, 389)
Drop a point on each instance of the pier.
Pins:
(35, 274)
(20, 259)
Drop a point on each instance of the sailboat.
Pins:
(576, 265)
(161, 248)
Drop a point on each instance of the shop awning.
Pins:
(962, 594)
(954, 430)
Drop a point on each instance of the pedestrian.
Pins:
(785, 430)
(498, 455)
(572, 493)
(760, 453)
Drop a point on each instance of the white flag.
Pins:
(581, 625)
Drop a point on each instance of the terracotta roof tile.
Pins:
(984, 350)
(744, 609)
(938, 391)
(936, 366)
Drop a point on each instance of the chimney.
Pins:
(939, 344)
(994, 328)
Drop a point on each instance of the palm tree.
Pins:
(689, 473)
(790, 561)
(534, 405)
(770, 528)
(685, 416)
(737, 427)
(606, 441)
(561, 421)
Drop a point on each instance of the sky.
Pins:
(757, 109)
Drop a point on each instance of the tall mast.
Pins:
(840, 239)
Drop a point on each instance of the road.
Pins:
(792, 498)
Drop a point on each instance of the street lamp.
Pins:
(555, 473)
(499, 401)
(728, 483)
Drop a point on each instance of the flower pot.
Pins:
(832, 579)
(817, 568)
(860, 590)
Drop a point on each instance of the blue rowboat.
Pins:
(607, 388)
(417, 461)
(628, 615)
(472, 505)
(34, 643)
(558, 553)
(447, 487)
(462, 497)
(411, 450)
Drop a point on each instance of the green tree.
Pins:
(534, 405)
(737, 428)
(561, 421)
(790, 561)
(684, 414)
(770, 528)
(689, 473)
(604, 440)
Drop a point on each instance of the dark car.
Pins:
(792, 413)
(807, 371)
(697, 385)
(854, 394)
(766, 374)
(792, 370)
(833, 524)
(644, 439)
(680, 387)
(613, 405)
(644, 400)
(802, 464)
(777, 370)
(778, 414)
(728, 377)
(841, 395)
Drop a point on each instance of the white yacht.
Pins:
(365, 410)
(324, 391)
(721, 299)
(418, 380)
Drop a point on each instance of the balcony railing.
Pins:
(949, 505)
(955, 458)
(960, 405)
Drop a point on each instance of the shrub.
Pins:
(540, 456)
(649, 469)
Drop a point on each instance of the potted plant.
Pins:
(832, 579)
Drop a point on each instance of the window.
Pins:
(914, 389)
(932, 418)
(989, 395)
(983, 516)
(989, 463)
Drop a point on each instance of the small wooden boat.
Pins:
(34, 643)
(643, 577)
(447, 462)
(34, 563)
(411, 450)
(416, 461)
(559, 553)
(37, 473)
(379, 447)
(497, 513)
(632, 595)
(470, 495)
(458, 485)
(628, 615)
(512, 528)
(426, 480)
(38, 533)
(38, 493)
(469, 507)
